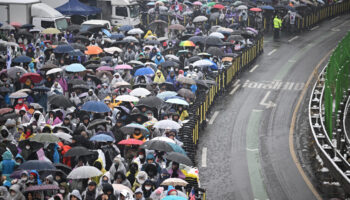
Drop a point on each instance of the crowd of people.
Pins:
(96, 114)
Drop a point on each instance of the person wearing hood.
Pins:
(164, 174)
(129, 55)
(108, 193)
(140, 180)
(116, 78)
(50, 181)
(175, 172)
(158, 59)
(15, 193)
(151, 167)
(172, 191)
(5, 134)
(132, 173)
(34, 178)
(159, 77)
(56, 88)
(91, 96)
(23, 179)
(28, 133)
(127, 76)
(104, 91)
(139, 194)
(120, 178)
(74, 195)
(23, 117)
(98, 164)
(171, 78)
(117, 166)
(8, 164)
(91, 192)
(147, 188)
(39, 118)
(4, 194)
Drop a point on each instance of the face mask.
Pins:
(62, 191)
(104, 76)
(142, 181)
(147, 187)
(141, 156)
(27, 147)
(24, 179)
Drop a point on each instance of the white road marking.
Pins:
(252, 149)
(294, 38)
(273, 85)
(334, 18)
(267, 104)
(314, 28)
(213, 117)
(235, 89)
(236, 83)
(271, 52)
(256, 66)
(204, 157)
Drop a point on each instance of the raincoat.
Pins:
(18, 195)
(7, 164)
(159, 77)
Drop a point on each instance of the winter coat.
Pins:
(75, 193)
(7, 164)
(19, 195)
(4, 194)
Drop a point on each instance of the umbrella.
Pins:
(48, 66)
(242, 7)
(152, 42)
(5, 110)
(235, 38)
(157, 23)
(22, 59)
(25, 33)
(41, 88)
(177, 101)
(96, 122)
(117, 36)
(164, 139)
(64, 136)
(177, 148)
(34, 77)
(140, 92)
(73, 27)
(197, 39)
(187, 43)
(200, 19)
(81, 38)
(119, 188)
(4, 89)
(111, 50)
(144, 71)
(18, 95)
(105, 68)
(178, 27)
(167, 124)
(16, 24)
(122, 67)
(203, 63)
(95, 106)
(213, 41)
(36, 106)
(166, 94)
(135, 31)
(12, 72)
(219, 6)
(179, 158)
(75, 67)
(186, 93)
(45, 137)
(173, 197)
(197, 3)
(65, 48)
(127, 98)
(255, 9)
(125, 28)
(131, 141)
(121, 84)
(17, 174)
(43, 187)
(151, 102)
(7, 27)
(130, 129)
(37, 165)
(267, 7)
(54, 71)
(60, 101)
(174, 182)
(66, 169)
(135, 62)
(78, 46)
(186, 80)
(33, 146)
(76, 82)
(215, 51)
(217, 34)
(93, 50)
(130, 39)
(157, 145)
(102, 138)
(84, 172)
(172, 57)
(77, 151)
(51, 31)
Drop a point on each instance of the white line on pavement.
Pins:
(204, 157)
(256, 66)
(314, 28)
(271, 52)
(334, 18)
(212, 119)
(236, 83)
(252, 149)
(294, 38)
(235, 89)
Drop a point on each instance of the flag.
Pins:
(9, 57)
(192, 195)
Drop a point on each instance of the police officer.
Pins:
(277, 24)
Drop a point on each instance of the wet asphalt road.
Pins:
(246, 146)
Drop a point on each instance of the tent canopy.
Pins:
(75, 7)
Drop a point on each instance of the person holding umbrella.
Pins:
(175, 172)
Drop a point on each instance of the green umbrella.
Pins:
(45, 137)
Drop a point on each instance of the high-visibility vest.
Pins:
(277, 23)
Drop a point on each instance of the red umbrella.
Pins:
(35, 78)
(255, 9)
(5, 110)
(218, 6)
(131, 142)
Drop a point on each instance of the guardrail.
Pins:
(331, 143)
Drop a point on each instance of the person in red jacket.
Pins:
(20, 105)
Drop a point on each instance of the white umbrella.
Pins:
(167, 124)
(64, 136)
(18, 95)
(84, 172)
(217, 34)
(202, 63)
(170, 56)
(135, 31)
(165, 139)
(127, 98)
(177, 101)
(224, 29)
(111, 50)
(13, 44)
(200, 19)
(242, 7)
(53, 71)
(135, 62)
(130, 39)
(140, 92)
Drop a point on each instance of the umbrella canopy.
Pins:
(77, 151)
(130, 39)
(93, 50)
(60, 101)
(130, 129)
(119, 188)
(174, 182)
(167, 124)
(112, 50)
(45, 137)
(267, 7)
(135, 31)
(22, 59)
(186, 93)
(51, 31)
(96, 122)
(203, 63)
(84, 172)
(144, 71)
(48, 66)
(179, 158)
(187, 43)
(186, 80)
(157, 145)
(65, 48)
(151, 102)
(213, 41)
(140, 92)
(43, 187)
(215, 51)
(197, 3)
(5, 110)
(173, 197)
(200, 19)
(131, 141)
(18, 95)
(34, 77)
(177, 101)
(217, 34)
(78, 46)
(178, 27)
(164, 139)
(125, 28)
(122, 67)
(64, 136)
(233, 38)
(75, 67)
(242, 7)
(54, 71)
(166, 94)
(12, 72)
(95, 106)
(102, 138)
(38, 165)
(105, 68)
(41, 88)
(255, 9)
(122, 84)
(127, 98)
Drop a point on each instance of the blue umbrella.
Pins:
(166, 94)
(117, 36)
(64, 48)
(22, 59)
(267, 7)
(173, 197)
(95, 106)
(126, 28)
(75, 67)
(177, 148)
(144, 71)
(102, 138)
(105, 31)
(76, 52)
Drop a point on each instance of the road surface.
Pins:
(244, 151)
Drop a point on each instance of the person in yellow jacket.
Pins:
(277, 25)
(149, 33)
(183, 113)
(159, 77)
(98, 164)
(108, 102)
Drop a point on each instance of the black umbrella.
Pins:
(169, 63)
(82, 37)
(78, 46)
(202, 84)
(157, 145)
(215, 51)
(186, 93)
(4, 89)
(41, 88)
(66, 169)
(76, 82)
(9, 145)
(152, 42)
(73, 28)
(25, 33)
(48, 66)
(194, 59)
(151, 102)
(82, 87)
(95, 79)
(96, 122)
(27, 26)
(235, 38)
(60, 101)
(169, 86)
(62, 128)
(77, 151)
(92, 66)
(38, 165)
(213, 41)
(33, 146)
(179, 158)
(7, 116)
(197, 39)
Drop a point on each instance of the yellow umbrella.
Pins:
(51, 31)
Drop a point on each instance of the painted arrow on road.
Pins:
(269, 104)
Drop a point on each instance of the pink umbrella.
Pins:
(197, 3)
(105, 68)
(122, 67)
